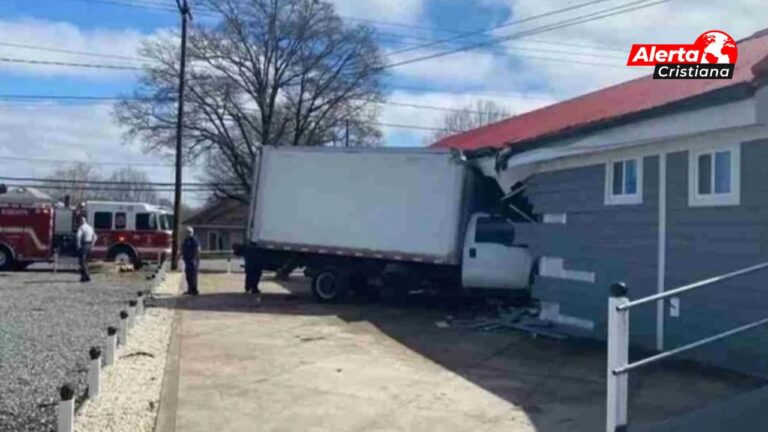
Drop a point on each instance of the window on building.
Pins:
(714, 177)
(624, 182)
(120, 221)
(146, 222)
(214, 241)
(496, 230)
(102, 220)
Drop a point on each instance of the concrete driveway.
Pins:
(294, 365)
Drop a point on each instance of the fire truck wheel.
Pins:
(6, 259)
(122, 255)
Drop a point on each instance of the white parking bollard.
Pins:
(123, 330)
(56, 262)
(66, 411)
(109, 352)
(229, 265)
(132, 304)
(94, 373)
(140, 303)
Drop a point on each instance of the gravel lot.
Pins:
(47, 324)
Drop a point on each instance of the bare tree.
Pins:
(474, 115)
(83, 181)
(272, 72)
(72, 182)
(134, 186)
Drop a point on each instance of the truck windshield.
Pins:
(496, 230)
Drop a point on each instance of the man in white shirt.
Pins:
(85, 239)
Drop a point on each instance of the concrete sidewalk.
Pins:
(293, 365)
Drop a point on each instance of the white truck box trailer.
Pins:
(402, 215)
(398, 204)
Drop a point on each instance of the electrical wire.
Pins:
(103, 182)
(67, 64)
(562, 24)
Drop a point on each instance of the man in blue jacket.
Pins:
(190, 253)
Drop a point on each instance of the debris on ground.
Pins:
(497, 316)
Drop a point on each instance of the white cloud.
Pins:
(393, 114)
(401, 11)
(679, 21)
(84, 133)
(66, 36)
(466, 68)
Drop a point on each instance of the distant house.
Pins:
(220, 225)
(656, 183)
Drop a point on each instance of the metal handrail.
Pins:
(648, 360)
(618, 342)
(693, 286)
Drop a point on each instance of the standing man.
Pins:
(84, 241)
(252, 272)
(190, 252)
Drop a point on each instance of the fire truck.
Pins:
(36, 230)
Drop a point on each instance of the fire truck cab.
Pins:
(129, 233)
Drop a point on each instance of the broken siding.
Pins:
(616, 242)
(709, 241)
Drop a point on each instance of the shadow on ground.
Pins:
(560, 384)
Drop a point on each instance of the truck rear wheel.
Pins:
(329, 285)
(6, 259)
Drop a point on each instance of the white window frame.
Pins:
(733, 198)
(623, 199)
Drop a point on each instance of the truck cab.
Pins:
(491, 256)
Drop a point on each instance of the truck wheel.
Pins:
(122, 255)
(6, 259)
(329, 285)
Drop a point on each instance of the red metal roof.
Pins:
(611, 103)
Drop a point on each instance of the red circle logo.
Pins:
(717, 47)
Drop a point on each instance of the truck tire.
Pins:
(329, 285)
(122, 255)
(6, 259)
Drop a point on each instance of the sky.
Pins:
(522, 72)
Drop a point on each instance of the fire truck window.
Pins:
(102, 220)
(146, 222)
(120, 221)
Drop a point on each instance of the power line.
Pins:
(68, 51)
(117, 98)
(503, 25)
(105, 182)
(106, 189)
(562, 24)
(67, 64)
(65, 161)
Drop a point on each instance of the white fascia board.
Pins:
(659, 130)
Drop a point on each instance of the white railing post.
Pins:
(618, 356)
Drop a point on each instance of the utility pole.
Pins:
(346, 133)
(185, 16)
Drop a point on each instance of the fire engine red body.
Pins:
(127, 232)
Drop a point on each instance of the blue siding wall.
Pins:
(619, 243)
(708, 241)
(616, 242)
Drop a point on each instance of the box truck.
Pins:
(365, 218)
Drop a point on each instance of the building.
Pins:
(220, 225)
(657, 183)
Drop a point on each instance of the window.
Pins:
(496, 230)
(624, 182)
(714, 177)
(214, 241)
(120, 221)
(146, 222)
(102, 220)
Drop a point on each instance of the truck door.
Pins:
(491, 257)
